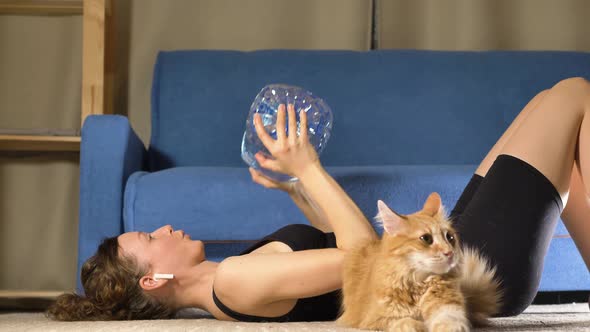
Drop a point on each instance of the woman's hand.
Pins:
(292, 154)
(261, 179)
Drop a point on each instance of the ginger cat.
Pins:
(417, 277)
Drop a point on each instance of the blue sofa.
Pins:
(406, 123)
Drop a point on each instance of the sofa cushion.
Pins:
(564, 267)
(222, 203)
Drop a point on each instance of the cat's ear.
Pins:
(392, 222)
(433, 205)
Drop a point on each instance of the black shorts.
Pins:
(510, 216)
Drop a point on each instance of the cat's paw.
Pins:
(345, 321)
(449, 326)
(448, 319)
(407, 325)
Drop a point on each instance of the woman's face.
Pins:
(163, 250)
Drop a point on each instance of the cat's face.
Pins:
(431, 244)
(425, 239)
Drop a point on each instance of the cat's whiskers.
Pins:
(433, 265)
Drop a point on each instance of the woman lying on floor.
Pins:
(538, 170)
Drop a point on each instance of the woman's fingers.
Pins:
(261, 132)
(289, 154)
(280, 127)
(292, 124)
(303, 125)
(271, 165)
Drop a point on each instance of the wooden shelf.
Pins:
(41, 7)
(24, 294)
(27, 300)
(98, 74)
(39, 143)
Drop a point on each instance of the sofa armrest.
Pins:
(109, 154)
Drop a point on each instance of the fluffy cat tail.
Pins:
(480, 287)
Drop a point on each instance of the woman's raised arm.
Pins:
(295, 156)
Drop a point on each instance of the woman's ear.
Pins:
(149, 283)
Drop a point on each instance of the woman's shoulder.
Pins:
(238, 287)
(227, 280)
(234, 271)
(240, 291)
(232, 280)
(251, 277)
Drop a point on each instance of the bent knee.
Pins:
(578, 85)
(574, 91)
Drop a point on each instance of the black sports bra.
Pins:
(318, 308)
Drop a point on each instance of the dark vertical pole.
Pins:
(374, 34)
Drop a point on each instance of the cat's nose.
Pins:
(448, 254)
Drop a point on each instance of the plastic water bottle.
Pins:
(319, 122)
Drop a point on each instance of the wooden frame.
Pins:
(41, 7)
(39, 143)
(98, 65)
(36, 294)
(97, 83)
(98, 70)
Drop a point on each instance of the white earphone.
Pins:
(158, 276)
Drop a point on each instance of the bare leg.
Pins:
(554, 137)
(577, 206)
(489, 159)
(550, 134)
(548, 139)
(576, 213)
(491, 156)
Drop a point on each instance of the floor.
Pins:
(560, 317)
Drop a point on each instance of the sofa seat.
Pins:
(211, 204)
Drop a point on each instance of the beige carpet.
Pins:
(563, 317)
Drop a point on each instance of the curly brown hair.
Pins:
(111, 285)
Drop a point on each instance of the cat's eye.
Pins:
(451, 238)
(426, 238)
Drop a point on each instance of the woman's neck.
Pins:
(193, 289)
